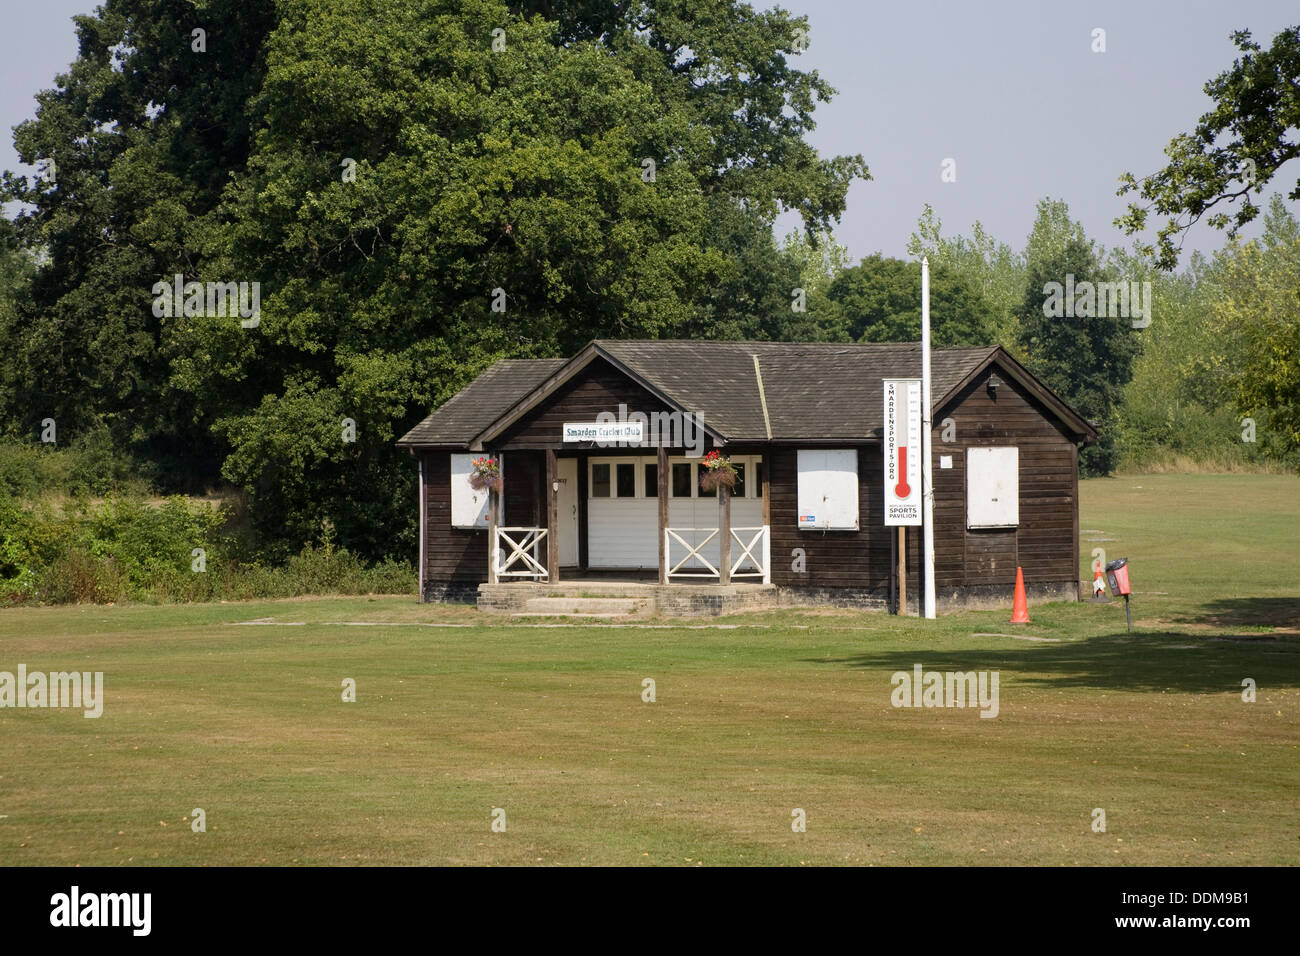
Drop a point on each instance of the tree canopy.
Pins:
(417, 189)
(1234, 150)
(1083, 350)
(879, 300)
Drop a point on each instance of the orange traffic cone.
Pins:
(1099, 586)
(1020, 607)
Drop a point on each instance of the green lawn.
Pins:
(767, 713)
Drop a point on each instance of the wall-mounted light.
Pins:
(994, 384)
(555, 486)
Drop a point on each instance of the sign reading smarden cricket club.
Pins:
(902, 446)
(630, 432)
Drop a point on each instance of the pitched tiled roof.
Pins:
(813, 390)
(481, 402)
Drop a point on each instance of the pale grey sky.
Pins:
(1010, 90)
(1013, 92)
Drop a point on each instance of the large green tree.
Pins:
(17, 269)
(418, 189)
(751, 296)
(134, 147)
(1257, 318)
(990, 266)
(879, 300)
(1235, 149)
(1083, 350)
(819, 258)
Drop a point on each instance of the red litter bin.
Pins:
(1117, 577)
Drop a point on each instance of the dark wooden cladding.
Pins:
(1014, 417)
(525, 473)
(598, 388)
(834, 559)
(1074, 470)
(451, 555)
(1045, 543)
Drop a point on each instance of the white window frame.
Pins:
(638, 463)
(752, 490)
(643, 491)
(695, 485)
(751, 463)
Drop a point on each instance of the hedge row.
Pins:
(125, 549)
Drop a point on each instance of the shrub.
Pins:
(17, 566)
(126, 549)
(90, 465)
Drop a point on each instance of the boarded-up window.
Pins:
(469, 506)
(992, 487)
(828, 489)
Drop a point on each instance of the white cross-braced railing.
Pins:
(524, 551)
(757, 541)
(692, 551)
(753, 549)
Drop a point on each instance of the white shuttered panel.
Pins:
(469, 507)
(992, 487)
(828, 489)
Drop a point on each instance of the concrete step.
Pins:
(614, 607)
(624, 598)
(561, 614)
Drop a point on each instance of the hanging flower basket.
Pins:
(718, 472)
(486, 474)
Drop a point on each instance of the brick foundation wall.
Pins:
(455, 592)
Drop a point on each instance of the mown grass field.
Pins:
(236, 709)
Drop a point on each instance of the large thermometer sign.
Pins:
(902, 444)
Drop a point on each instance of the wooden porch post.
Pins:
(663, 514)
(494, 506)
(765, 467)
(724, 534)
(552, 517)
(902, 570)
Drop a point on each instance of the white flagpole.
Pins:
(927, 467)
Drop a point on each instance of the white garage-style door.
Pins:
(623, 508)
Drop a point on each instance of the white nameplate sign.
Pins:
(603, 431)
